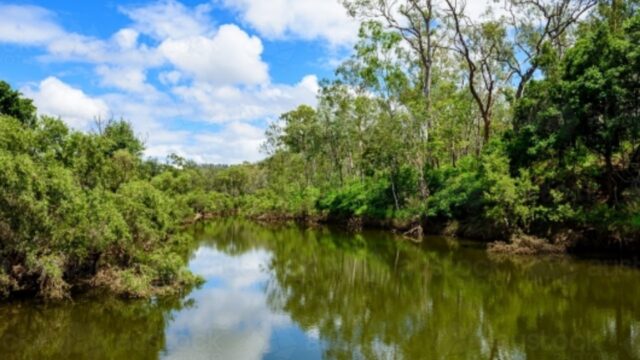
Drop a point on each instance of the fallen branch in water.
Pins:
(416, 234)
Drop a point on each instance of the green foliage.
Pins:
(76, 206)
(146, 211)
(511, 201)
(578, 129)
(120, 136)
(458, 191)
(387, 143)
(370, 199)
(14, 105)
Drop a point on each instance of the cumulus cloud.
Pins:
(171, 19)
(234, 143)
(126, 78)
(126, 38)
(231, 56)
(27, 25)
(56, 98)
(303, 19)
(241, 112)
(170, 77)
(227, 103)
(171, 64)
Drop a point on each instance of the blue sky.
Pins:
(198, 78)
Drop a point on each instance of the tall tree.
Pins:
(538, 26)
(416, 22)
(479, 46)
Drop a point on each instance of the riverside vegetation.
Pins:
(524, 129)
(82, 209)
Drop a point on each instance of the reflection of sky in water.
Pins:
(231, 318)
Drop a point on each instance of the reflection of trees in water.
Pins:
(91, 328)
(372, 296)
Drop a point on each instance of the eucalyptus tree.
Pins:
(416, 22)
(538, 29)
(479, 45)
(302, 134)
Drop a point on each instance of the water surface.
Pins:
(292, 293)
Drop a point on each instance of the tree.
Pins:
(120, 135)
(479, 47)
(13, 104)
(593, 103)
(302, 134)
(601, 87)
(416, 22)
(539, 26)
(74, 209)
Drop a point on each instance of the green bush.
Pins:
(77, 207)
(371, 198)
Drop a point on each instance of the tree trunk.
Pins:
(612, 199)
(395, 195)
(486, 119)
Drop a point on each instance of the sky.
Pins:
(201, 79)
(198, 78)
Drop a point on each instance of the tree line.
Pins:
(522, 121)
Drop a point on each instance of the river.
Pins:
(286, 292)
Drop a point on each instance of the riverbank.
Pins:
(562, 241)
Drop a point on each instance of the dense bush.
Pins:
(78, 208)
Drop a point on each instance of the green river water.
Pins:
(287, 292)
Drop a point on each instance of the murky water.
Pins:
(291, 293)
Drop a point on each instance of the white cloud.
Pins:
(234, 143)
(230, 57)
(304, 19)
(197, 71)
(171, 19)
(125, 78)
(126, 38)
(227, 103)
(120, 50)
(170, 77)
(237, 140)
(27, 25)
(55, 98)
(150, 112)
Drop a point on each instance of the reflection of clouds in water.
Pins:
(238, 272)
(231, 319)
